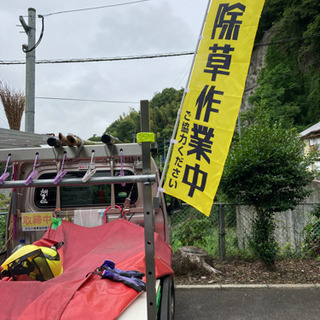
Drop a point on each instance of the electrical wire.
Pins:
(184, 76)
(86, 100)
(106, 59)
(94, 8)
(316, 35)
(151, 56)
(24, 49)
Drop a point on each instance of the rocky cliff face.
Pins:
(256, 64)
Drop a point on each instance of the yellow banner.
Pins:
(36, 221)
(211, 105)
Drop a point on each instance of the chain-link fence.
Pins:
(217, 234)
(226, 231)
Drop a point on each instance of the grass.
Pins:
(203, 232)
(209, 241)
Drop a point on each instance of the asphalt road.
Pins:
(248, 304)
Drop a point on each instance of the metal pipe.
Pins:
(222, 233)
(148, 217)
(78, 181)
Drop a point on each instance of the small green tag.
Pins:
(145, 137)
(55, 223)
(122, 194)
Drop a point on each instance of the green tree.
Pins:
(272, 12)
(280, 85)
(266, 169)
(163, 113)
(164, 107)
(126, 127)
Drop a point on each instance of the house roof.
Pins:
(313, 129)
(19, 139)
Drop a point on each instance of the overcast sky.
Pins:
(149, 27)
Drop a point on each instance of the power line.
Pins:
(86, 100)
(316, 35)
(93, 8)
(151, 56)
(105, 59)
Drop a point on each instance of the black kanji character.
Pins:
(201, 142)
(207, 98)
(219, 62)
(185, 127)
(183, 139)
(227, 20)
(194, 184)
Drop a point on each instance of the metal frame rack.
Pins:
(103, 151)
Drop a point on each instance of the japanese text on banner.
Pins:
(212, 102)
(36, 221)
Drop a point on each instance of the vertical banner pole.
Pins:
(181, 104)
(148, 217)
(212, 101)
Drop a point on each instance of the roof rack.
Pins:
(84, 152)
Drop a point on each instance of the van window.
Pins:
(84, 196)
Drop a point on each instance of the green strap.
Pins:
(145, 137)
(55, 223)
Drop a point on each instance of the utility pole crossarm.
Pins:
(24, 25)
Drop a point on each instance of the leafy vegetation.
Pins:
(2, 231)
(164, 107)
(266, 169)
(163, 113)
(311, 245)
(290, 81)
(189, 227)
(126, 127)
(4, 203)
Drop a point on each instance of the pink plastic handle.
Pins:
(32, 175)
(61, 172)
(6, 174)
(34, 172)
(105, 212)
(59, 176)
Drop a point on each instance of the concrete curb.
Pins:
(249, 286)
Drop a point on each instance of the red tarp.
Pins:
(72, 295)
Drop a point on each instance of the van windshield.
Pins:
(84, 196)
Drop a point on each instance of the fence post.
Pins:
(222, 233)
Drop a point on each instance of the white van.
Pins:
(98, 184)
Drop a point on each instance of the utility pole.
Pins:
(30, 51)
